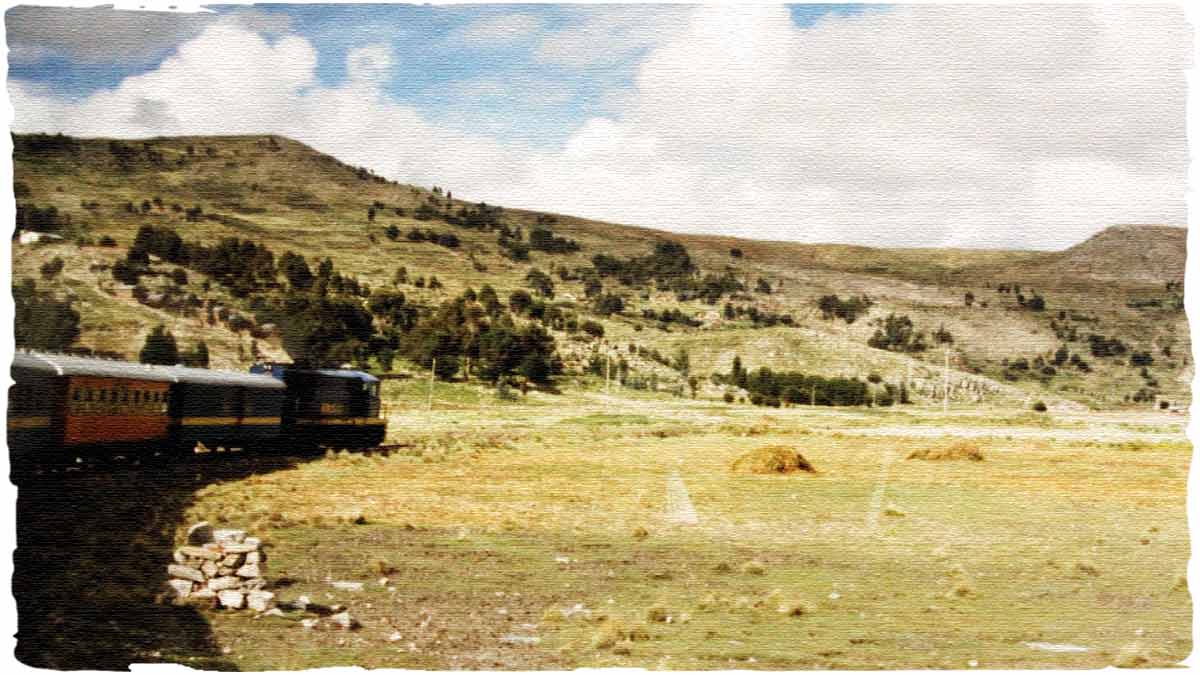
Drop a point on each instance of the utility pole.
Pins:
(946, 380)
(432, 370)
(607, 380)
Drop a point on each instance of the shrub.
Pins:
(1039, 406)
(52, 268)
(160, 348)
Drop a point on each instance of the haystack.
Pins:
(772, 459)
(959, 450)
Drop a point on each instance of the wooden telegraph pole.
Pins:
(946, 380)
(432, 370)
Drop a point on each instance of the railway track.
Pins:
(67, 466)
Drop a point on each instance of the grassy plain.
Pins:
(537, 534)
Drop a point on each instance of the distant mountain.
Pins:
(1146, 253)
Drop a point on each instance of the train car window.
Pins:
(78, 395)
(137, 396)
(125, 396)
(104, 395)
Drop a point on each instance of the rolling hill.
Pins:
(1023, 307)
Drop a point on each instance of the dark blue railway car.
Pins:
(335, 408)
(225, 408)
(35, 415)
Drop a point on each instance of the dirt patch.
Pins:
(772, 459)
(956, 451)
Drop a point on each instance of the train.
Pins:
(67, 406)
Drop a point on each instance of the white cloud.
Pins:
(923, 125)
(601, 37)
(130, 36)
(497, 30)
(917, 126)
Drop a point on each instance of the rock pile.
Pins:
(220, 568)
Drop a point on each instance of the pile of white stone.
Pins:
(220, 568)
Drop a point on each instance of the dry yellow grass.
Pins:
(958, 450)
(772, 459)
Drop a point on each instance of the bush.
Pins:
(52, 268)
(108, 242)
(1039, 406)
(160, 348)
(592, 328)
(40, 321)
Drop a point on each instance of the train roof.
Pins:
(281, 369)
(348, 374)
(68, 365)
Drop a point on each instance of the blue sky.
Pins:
(542, 102)
(991, 126)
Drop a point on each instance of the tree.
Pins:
(198, 357)
(592, 328)
(296, 269)
(969, 298)
(540, 282)
(51, 269)
(160, 348)
(519, 301)
(735, 253)
(683, 362)
(1061, 355)
(609, 303)
(179, 276)
(40, 321)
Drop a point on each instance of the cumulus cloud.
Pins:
(914, 126)
(922, 125)
(599, 37)
(104, 35)
(497, 30)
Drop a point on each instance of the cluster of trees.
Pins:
(42, 321)
(669, 264)
(542, 238)
(461, 335)
(756, 316)
(127, 155)
(242, 266)
(713, 287)
(671, 315)
(512, 247)
(896, 334)
(44, 219)
(772, 388)
(1103, 346)
(848, 310)
(44, 144)
(447, 239)
(540, 282)
(1042, 367)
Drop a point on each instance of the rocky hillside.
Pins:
(1100, 323)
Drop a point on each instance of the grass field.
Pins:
(536, 534)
